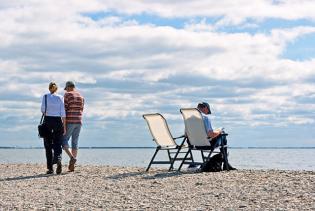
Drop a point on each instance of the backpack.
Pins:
(214, 164)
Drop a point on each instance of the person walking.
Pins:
(74, 104)
(54, 120)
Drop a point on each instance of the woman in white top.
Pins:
(55, 119)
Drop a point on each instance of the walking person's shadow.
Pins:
(29, 177)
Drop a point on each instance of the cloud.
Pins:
(125, 68)
(232, 13)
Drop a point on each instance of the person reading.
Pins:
(217, 136)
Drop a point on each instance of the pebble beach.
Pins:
(26, 186)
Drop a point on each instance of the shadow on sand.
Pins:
(30, 177)
(148, 175)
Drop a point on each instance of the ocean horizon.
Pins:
(263, 158)
(146, 147)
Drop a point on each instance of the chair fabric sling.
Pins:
(196, 134)
(164, 140)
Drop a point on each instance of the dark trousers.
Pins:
(53, 143)
(221, 141)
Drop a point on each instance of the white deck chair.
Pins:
(196, 134)
(164, 140)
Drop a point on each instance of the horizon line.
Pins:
(126, 147)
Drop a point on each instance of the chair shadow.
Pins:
(29, 177)
(146, 175)
(162, 175)
(125, 175)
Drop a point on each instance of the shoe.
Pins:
(49, 171)
(59, 167)
(71, 164)
(231, 168)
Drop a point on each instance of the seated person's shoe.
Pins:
(71, 164)
(231, 168)
(59, 167)
(50, 171)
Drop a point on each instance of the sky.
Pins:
(253, 61)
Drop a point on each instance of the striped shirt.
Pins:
(74, 104)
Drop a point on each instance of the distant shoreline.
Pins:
(126, 147)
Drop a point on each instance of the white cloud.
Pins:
(300, 120)
(126, 68)
(233, 12)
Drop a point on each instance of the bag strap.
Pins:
(44, 114)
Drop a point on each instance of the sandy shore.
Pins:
(24, 186)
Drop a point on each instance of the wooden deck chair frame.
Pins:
(196, 135)
(163, 138)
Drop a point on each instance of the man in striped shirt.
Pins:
(74, 104)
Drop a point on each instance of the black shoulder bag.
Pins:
(43, 131)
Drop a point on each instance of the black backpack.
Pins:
(214, 164)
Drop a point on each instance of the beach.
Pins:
(25, 186)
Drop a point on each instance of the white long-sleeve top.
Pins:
(55, 105)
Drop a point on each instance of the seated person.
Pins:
(216, 136)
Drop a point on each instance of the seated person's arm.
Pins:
(211, 133)
(214, 133)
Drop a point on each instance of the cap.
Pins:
(204, 104)
(69, 84)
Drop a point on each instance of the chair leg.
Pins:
(192, 157)
(174, 159)
(156, 151)
(177, 153)
(189, 151)
(209, 156)
(203, 156)
(169, 155)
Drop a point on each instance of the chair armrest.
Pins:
(183, 140)
(182, 136)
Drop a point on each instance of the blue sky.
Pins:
(253, 61)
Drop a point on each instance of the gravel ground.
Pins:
(24, 186)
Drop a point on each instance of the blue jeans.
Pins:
(73, 131)
(218, 141)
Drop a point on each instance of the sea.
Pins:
(241, 158)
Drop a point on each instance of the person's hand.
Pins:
(219, 131)
(64, 131)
